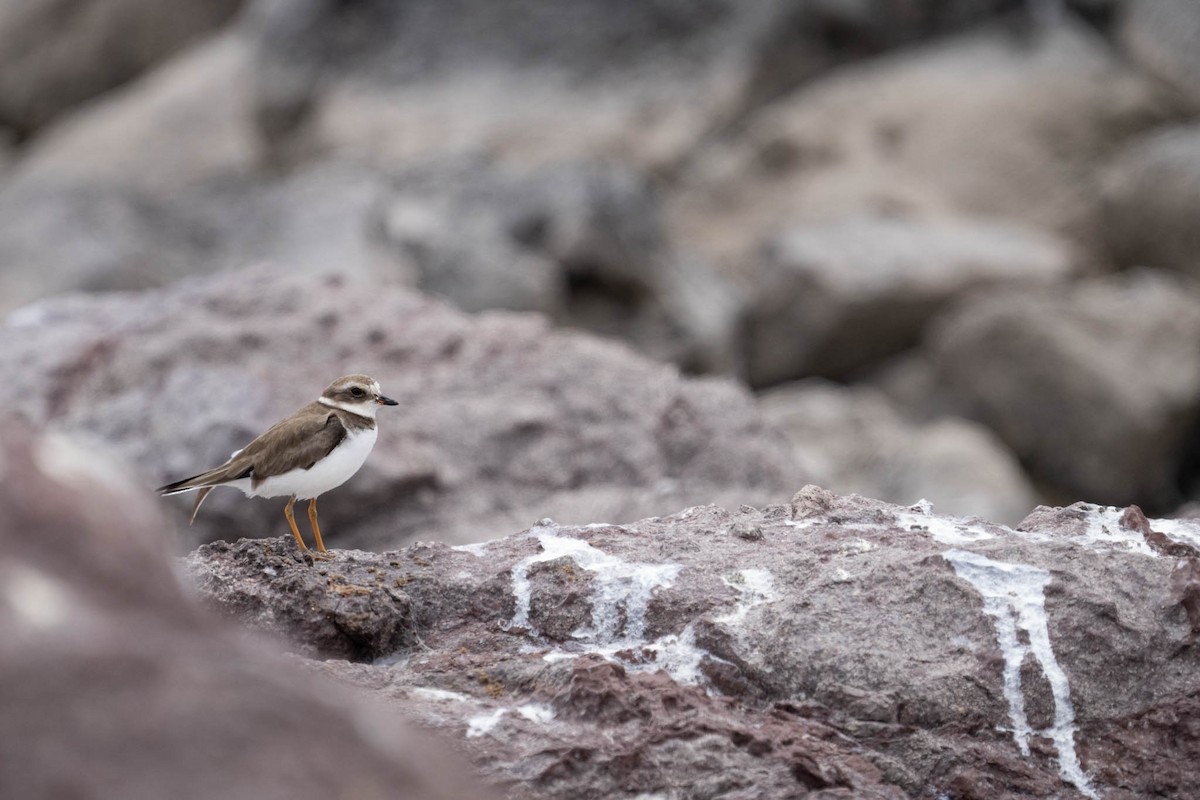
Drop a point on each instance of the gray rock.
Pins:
(311, 220)
(537, 80)
(980, 125)
(120, 688)
(854, 441)
(501, 418)
(1096, 387)
(185, 123)
(488, 237)
(532, 80)
(1152, 201)
(1160, 36)
(55, 54)
(848, 648)
(910, 382)
(62, 235)
(580, 241)
(832, 298)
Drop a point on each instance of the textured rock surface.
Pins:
(839, 647)
(1096, 387)
(118, 686)
(501, 418)
(55, 54)
(831, 298)
(854, 441)
(1152, 201)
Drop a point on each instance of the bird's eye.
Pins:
(357, 392)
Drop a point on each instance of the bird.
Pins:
(301, 457)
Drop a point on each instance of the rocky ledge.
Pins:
(833, 647)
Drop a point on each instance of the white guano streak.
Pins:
(617, 583)
(1014, 596)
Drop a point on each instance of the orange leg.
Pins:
(312, 518)
(287, 512)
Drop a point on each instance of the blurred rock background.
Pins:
(952, 245)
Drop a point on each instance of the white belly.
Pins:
(328, 473)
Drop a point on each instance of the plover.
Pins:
(303, 456)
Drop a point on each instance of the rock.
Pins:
(489, 237)
(66, 234)
(911, 384)
(187, 122)
(855, 442)
(1160, 37)
(311, 220)
(62, 235)
(980, 125)
(1151, 192)
(580, 241)
(59, 53)
(834, 297)
(848, 648)
(501, 418)
(536, 81)
(121, 688)
(1096, 387)
(531, 80)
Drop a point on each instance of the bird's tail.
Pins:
(185, 485)
(205, 482)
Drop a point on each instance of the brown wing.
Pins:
(297, 442)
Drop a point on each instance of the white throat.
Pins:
(366, 410)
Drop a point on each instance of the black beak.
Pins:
(387, 401)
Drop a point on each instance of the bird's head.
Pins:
(358, 394)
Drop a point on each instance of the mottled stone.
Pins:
(853, 648)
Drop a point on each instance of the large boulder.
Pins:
(1096, 386)
(855, 441)
(1152, 201)
(1160, 36)
(55, 54)
(986, 124)
(502, 419)
(840, 647)
(832, 298)
(120, 688)
(182, 124)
